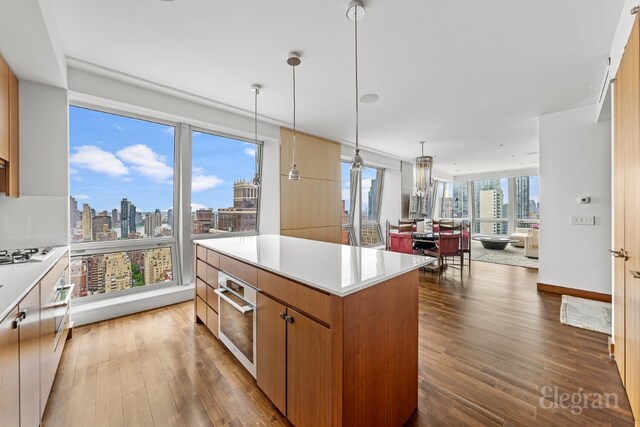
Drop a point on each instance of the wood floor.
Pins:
(488, 346)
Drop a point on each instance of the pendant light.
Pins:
(422, 171)
(355, 12)
(256, 89)
(294, 61)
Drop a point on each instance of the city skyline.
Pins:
(114, 157)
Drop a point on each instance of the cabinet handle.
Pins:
(283, 316)
(289, 319)
(21, 316)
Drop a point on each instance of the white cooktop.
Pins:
(337, 269)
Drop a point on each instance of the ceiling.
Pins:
(470, 77)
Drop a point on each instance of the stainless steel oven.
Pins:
(237, 323)
(60, 304)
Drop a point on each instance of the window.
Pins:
(372, 184)
(121, 205)
(527, 201)
(491, 203)
(121, 179)
(108, 272)
(223, 196)
(452, 200)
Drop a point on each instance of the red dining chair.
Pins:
(448, 246)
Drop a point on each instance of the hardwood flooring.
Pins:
(489, 344)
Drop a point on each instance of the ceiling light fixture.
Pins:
(423, 169)
(369, 98)
(355, 12)
(256, 89)
(294, 61)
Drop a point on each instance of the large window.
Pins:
(527, 200)
(121, 179)
(121, 205)
(223, 196)
(452, 200)
(372, 185)
(491, 206)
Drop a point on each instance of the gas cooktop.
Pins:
(19, 256)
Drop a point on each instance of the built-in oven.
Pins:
(237, 322)
(60, 305)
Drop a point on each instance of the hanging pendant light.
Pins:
(256, 89)
(294, 61)
(422, 171)
(355, 12)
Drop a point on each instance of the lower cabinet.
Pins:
(29, 331)
(294, 363)
(9, 371)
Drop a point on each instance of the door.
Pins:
(29, 331)
(626, 213)
(9, 371)
(631, 227)
(272, 350)
(308, 371)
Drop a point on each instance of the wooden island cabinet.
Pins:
(336, 327)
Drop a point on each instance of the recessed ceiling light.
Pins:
(369, 98)
(533, 153)
(168, 1)
(513, 155)
(501, 145)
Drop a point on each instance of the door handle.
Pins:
(21, 316)
(620, 254)
(635, 274)
(289, 319)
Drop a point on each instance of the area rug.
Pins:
(586, 314)
(509, 256)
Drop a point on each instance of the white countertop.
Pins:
(337, 269)
(18, 279)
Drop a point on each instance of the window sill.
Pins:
(104, 309)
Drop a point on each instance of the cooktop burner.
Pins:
(18, 256)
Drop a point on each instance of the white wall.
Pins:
(575, 160)
(39, 217)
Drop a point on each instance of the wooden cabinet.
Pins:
(206, 300)
(294, 363)
(9, 371)
(271, 361)
(9, 131)
(29, 332)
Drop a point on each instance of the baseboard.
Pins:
(104, 309)
(580, 293)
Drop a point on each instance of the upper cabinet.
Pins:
(9, 138)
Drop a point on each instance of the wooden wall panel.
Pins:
(4, 110)
(311, 207)
(317, 158)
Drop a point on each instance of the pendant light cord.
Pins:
(357, 89)
(255, 129)
(294, 113)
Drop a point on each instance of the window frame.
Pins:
(259, 152)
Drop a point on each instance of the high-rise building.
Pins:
(117, 271)
(153, 224)
(100, 224)
(73, 212)
(132, 219)
(86, 221)
(522, 197)
(157, 231)
(491, 206)
(460, 198)
(96, 274)
(115, 216)
(373, 197)
(124, 218)
(243, 215)
(170, 217)
(79, 271)
(203, 221)
(157, 266)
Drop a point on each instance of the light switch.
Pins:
(583, 220)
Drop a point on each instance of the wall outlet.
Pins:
(583, 220)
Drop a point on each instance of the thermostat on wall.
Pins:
(584, 200)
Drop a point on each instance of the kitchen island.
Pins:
(329, 331)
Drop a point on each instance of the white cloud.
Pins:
(73, 171)
(168, 130)
(196, 206)
(81, 197)
(118, 127)
(250, 152)
(146, 162)
(98, 160)
(202, 182)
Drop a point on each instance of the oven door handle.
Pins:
(68, 297)
(242, 309)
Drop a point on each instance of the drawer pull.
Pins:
(635, 274)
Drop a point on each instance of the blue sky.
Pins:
(368, 174)
(112, 157)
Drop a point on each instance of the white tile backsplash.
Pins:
(34, 221)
